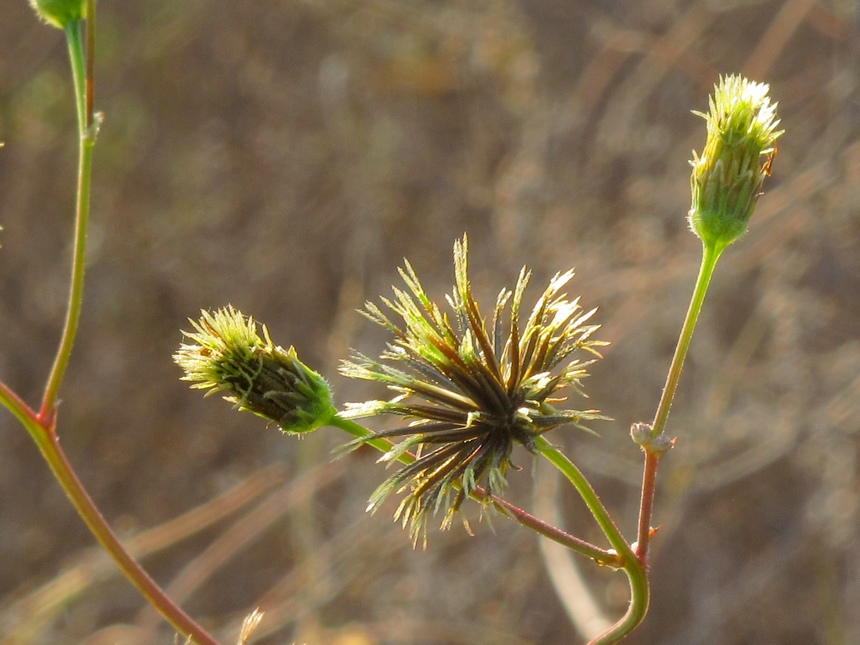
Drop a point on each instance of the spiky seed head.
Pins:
(727, 177)
(227, 354)
(470, 391)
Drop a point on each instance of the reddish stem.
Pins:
(16, 405)
(646, 505)
(601, 556)
(49, 444)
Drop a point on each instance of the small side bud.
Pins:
(59, 13)
(227, 354)
(643, 436)
(640, 433)
(727, 177)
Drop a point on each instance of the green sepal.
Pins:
(59, 13)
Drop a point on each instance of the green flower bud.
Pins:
(228, 355)
(59, 13)
(727, 177)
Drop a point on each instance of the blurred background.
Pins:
(285, 157)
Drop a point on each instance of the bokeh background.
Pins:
(284, 157)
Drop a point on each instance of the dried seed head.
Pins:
(470, 393)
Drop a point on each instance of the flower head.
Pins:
(727, 177)
(226, 354)
(470, 393)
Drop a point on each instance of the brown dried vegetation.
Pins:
(284, 157)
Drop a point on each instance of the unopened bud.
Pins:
(228, 355)
(643, 435)
(727, 177)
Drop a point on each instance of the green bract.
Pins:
(727, 177)
(228, 355)
(59, 13)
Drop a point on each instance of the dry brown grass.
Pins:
(284, 157)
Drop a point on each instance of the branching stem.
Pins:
(635, 570)
(42, 425)
(601, 556)
(635, 563)
(710, 255)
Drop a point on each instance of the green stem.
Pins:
(602, 556)
(89, 83)
(638, 574)
(42, 426)
(637, 577)
(592, 501)
(360, 432)
(635, 570)
(23, 412)
(87, 136)
(77, 58)
(710, 255)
